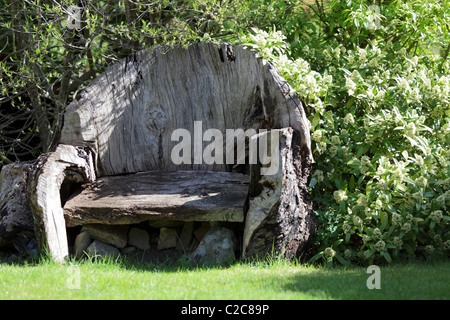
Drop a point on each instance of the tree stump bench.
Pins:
(180, 134)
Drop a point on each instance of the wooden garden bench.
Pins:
(114, 162)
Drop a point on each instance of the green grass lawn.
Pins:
(277, 280)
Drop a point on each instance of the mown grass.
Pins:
(273, 280)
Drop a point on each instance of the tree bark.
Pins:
(280, 219)
(15, 211)
(44, 184)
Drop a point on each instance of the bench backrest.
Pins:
(128, 114)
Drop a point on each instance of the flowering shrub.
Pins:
(379, 115)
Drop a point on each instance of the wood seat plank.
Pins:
(182, 195)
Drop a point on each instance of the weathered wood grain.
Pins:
(280, 219)
(128, 113)
(15, 211)
(66, 162)
(180, 195)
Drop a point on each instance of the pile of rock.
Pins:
(203, 243)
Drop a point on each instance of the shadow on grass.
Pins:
(401, 281)
(416, 280)
(331, 284)
(169, 260)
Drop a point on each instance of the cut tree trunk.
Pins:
(15, 211)
(280, 219)
(66, 163)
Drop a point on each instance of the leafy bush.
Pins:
(378, 100)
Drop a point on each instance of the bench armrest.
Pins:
(50, 170)
(279, 217)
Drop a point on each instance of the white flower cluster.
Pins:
(329, 253)
(349, 119)
(267, 44)
(365, 164)
(436, 216)
(317, 135)
(410, 130)
(339, 196)
(380, 246)
(319, 175)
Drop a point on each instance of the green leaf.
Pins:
(409, 181)
(229, 24)
(387, 256)
(313, 182)
(424, 128)
(330, 262)
(352, 183)
(422, 141)
(418, 220)
(315, 121)
(349, 103)
(413, 142)
(369, 253)
(347, 237)
(354, 163)
(409, 249)
(347, 72)
(327, 184)
(342, 260)
(391, 229)
(316, 257)
(361, 151)
(360, 180)
(329, 117)
(384, 219)
(332, 26)
(401, 187)
(337, 183)
(405, 154)
(391, 208)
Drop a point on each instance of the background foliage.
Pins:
(375, 80)
(44, 63)
(373, 76)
